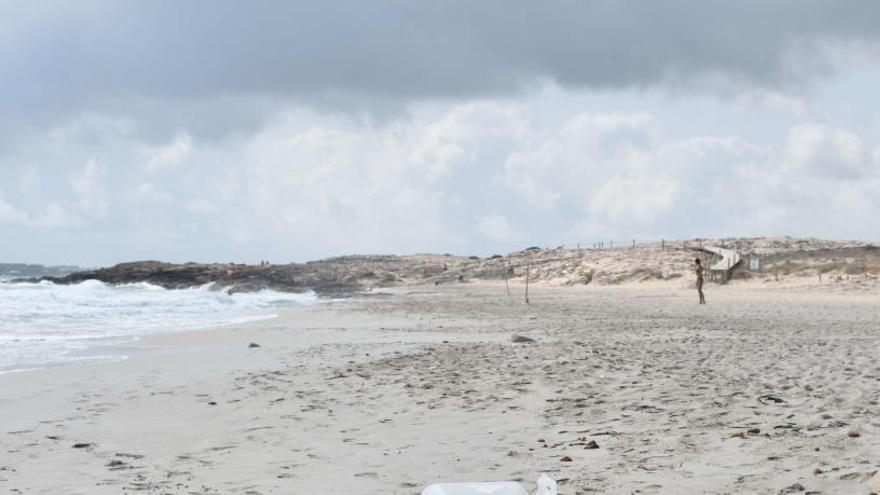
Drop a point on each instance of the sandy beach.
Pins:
(631, 389)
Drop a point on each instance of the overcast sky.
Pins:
(292, 130)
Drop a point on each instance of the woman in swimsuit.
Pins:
(699, 269)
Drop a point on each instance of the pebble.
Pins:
(565, 459)
(254, 345)
(795, 488)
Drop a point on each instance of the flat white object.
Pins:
(502, 488)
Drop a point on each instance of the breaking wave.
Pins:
(43, 324)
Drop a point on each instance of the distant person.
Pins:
(698, 267)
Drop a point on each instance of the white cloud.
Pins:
(827, 151)
(28, 181)
(569, 163)
(202, 206)
(53, 215)
(498, 228)
(634, 199)
(9, 214)
(457, 177)
(378, 188)
(88, 185)
(169, 155)
(149, 193)
(344, 184)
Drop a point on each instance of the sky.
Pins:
(296, 130)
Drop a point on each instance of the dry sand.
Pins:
(764, 390)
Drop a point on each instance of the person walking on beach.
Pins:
(699, 269)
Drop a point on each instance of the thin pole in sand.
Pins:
(506, 284)
(528, 270)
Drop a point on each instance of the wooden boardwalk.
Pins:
(729, 260)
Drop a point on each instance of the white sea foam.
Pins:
(43, 324)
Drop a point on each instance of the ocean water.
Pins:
(44, 324)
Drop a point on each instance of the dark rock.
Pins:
(768, 399)
(254, 345)
(82, 445)
(521, 339)
(591, 445)
(565, 459)
(795, 488)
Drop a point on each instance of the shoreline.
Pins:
(48, 326)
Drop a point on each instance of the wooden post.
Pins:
(506, 283)
(528, 271)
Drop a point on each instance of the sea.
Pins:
(45, 325)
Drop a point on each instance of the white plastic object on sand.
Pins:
(502, 488)
(546, 485)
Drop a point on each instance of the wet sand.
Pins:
(764, 390)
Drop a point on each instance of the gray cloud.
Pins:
(62, 58)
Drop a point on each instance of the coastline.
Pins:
(387, 392)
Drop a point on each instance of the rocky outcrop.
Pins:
(331, 277)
